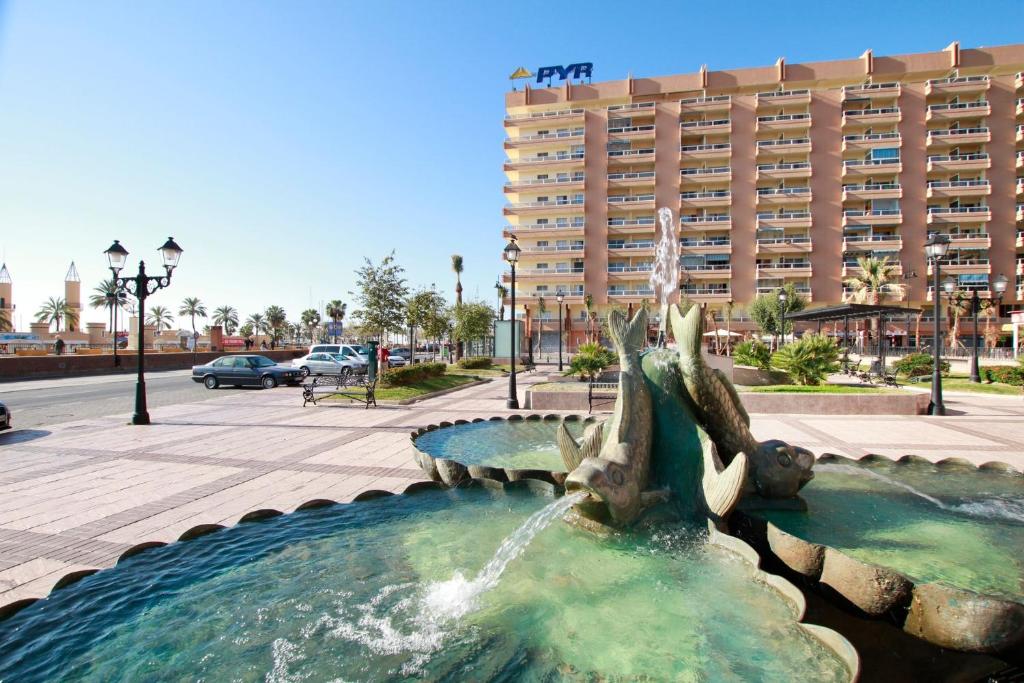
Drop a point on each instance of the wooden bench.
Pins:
(354, 387)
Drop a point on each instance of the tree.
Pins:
(808, 360)
(764, 309)
(457, 269)
(56, 310)
(246, 330)
(257, 323)
(878, 277)
(276, 320)
(588, 304)
(5, 320)
(160, 318)
(108, 295)
(192, 306)
(226, 317)
(502, 295)
(310, 321)
(473, 320)
(958, 305)
(336, 310)
(542, 309)
(381, 296)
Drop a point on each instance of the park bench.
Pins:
(350, 386)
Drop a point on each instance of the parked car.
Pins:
(329, 364)
(395, 360)
(245, 370)
(346, 350)
(5, 417)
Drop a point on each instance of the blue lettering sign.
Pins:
(581, 70)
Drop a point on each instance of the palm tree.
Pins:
(588, 304)
(56, 310)
(275, 321)
(728, 327)
(959, 305)
(192, 306)
(336, 310)
(457, 269)
(502, 295)
(226, 317)
(108, 295)
(310, 319)
(258, 323)
(542, 309)
(5, 320)
(160, 317)
(877, 278)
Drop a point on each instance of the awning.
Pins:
(849, 311)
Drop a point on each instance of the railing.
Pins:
(704, 148)
(547, 271)
(784, 167)
(958, 183)
(871, 136)
(553, 202)
(958, 209)
(548, 136)
(706, 100)
(710, 218)
(555, 248)
(547, 226)
(546, 181)
(783, 117)
(619, 222)
(871, 112)
(940, 133)
(626, 198)
(631, 176)
(958, 79)
(769, 215)
(784, 141)
(704, 291)
(782, 93)
(869, 86)
(646, 268)
(703, 124)
(791, 265)
(631, 245)
(966, 262)
(856, 239)
(769, 191)
(871, 212)
(630, 152)
(631, 107)
(967, 236)
(630, 129)
(631, 292)
(871, 186)
(869, 162)
(958, 157)
(705, 171)
(713, 194)
(561, 156)
(543, 115)
(783, 240)
(958, 105)
(706, 267)
(721, 242)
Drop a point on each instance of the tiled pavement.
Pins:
(78, 497)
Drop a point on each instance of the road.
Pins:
(41, 403)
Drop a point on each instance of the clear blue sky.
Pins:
(281, 142)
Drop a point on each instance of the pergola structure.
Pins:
(848, 312)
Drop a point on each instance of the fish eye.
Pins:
(618, 478)
(784, 459)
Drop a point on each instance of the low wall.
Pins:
(755, 377)
(568, 400)
(837, 404)
(36, 367)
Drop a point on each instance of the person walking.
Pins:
(382, 358)
(58, 346)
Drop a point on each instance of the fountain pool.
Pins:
(378, 590)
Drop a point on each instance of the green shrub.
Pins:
(590, 360)
(754, 354)
(1007, 374)
(918, 365)
(475, 363)
(410, 374)
(808, 360)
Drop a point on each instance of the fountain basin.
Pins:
(359, 592)
(935, 546)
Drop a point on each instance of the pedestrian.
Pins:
(263, 345)
(58, 346)
(382, 358)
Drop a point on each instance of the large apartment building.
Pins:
(778, 174)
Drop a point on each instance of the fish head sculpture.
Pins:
(779, 469)
(614, 496)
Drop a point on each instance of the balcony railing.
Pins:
(540, 158)
(630, 222)
(630, 152)
(847, 89)
(774, 191)
(869, 162)
(871, 136)
(945, 133)
(958, 183)
(871, 212)
(639, 106)
(791, 265)
(706, 267)
(558, 135)
(871, 112)
(705, 291)
(783, 215)
(630, 198)
(705, 124)
(781, 93)
(553, 248)
(632, 245)
(630, 129)
(550, 202)
(857, 239)
(783, 167)
(706, 100)
(546, 181)
(575, 225)
(953, 237)
(643, 268)
(783, 141)
(705, 171)
(720, 242)
(783, 240)
(642, 175)
(958, 79)
(543, 115)
(871, 186)
(957, 209)
(958, 106)
(958, 157)
(644, 291)
(783, 117)
(547, 271)
(706, 147)
(710, 218)
(711, 194)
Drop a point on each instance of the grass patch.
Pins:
(820, 389)
(963, 383)
(426, 386)
(493, 371)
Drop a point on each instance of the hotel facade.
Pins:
(778, 174)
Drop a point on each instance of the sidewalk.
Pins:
(76, 498)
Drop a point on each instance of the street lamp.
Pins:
(935, 249)
(560, 297)
(511, 254)
(141, 286)
(782, 317)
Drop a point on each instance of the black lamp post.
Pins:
(511, 254)
(141, 286)
(560, 297)
(782, 317)
(998, 288)
(935, 249)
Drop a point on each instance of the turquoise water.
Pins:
(359, 593)
(523, 445)
(963, 527)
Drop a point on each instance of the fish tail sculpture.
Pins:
(776, 469)
(618, 476)
(573, 453)
(722, 486)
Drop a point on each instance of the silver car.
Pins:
(329, 364)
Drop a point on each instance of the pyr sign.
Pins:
(581, 70)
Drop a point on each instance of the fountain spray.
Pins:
(665, 274)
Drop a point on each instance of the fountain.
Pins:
(664, 278)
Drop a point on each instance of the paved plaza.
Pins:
(76, 497)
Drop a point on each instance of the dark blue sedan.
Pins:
(241, 370)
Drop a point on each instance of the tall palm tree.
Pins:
(457, 269)
(226, 317)
(160, 317)
(258, 323)
(56, 310)
(275, 321)
(108, 295)
(588, 304)
(958, 306)
(502, 295)
(310, 320)
(336, 310)
(878, 277)
(5, 320)
(542, 308)
(192, 306)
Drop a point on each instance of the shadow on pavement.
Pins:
(21, 436)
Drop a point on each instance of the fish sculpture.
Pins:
(776, 469)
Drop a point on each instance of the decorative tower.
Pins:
(73, 298)
(6, 302)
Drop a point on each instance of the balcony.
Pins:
(958, 188)
(706, 222)
(783, 245)
(1020, 188)
(780, 122)
(707, 294)
(645, 132)
(979, 266)
(644, 248)
(955, 214)
(977, 240)
(705, 271)
(872, 242)
(707, 198)
(558, 116)
(631, 156)
(715, 103)
(627, 272)
(982, 288)
(564, 275)
(639, 179)
(545, 138)
(567, 159)
(1019, 80)
(630, 226)
(781, 171)
(722, 126)
(872, 191)
(872, 117)
(558, 249)
(636, 109)
(855, 167)
(770, 196)
(563, 182)
(784, 146)
(1020, 134)
(856, 92)
(959, 136)
(784, 219)
(956, 85)
(636, 293)
(720, 245)
(853, 217)
(783, 98)
(552, 206)
(859, 142)
(1020, 107)
(1020, 240)
(780, 269)
(957, 110)
(631, 202)
(546, 229)
(718, 150)
(959, 162)
(1020, 212)
(699, 175)
(1020, 160)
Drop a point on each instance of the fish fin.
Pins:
(687, 329)
(722, 487)
(628, 337)
(733, 394)
(592, 441)
(572, 455)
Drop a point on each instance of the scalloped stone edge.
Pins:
(937, 613)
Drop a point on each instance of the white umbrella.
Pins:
(722, 333)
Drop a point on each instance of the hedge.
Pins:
(1007, 374)
(919, 365)
(475, 363)
(410, 374)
